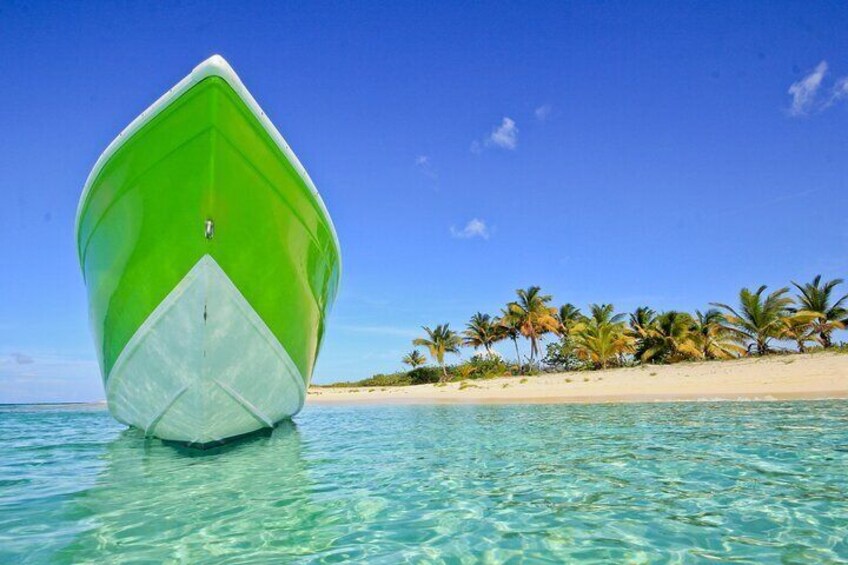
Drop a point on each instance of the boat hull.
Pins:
(210, 264)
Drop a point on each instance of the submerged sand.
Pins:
(785, 377)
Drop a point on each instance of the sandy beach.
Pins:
(809, 376)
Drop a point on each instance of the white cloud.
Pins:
(474, 228)
(543, 112)
(805, 90)
(840, 91)
(504, 136)
(422, 160)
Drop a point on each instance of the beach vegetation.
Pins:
(758, 319)
(801, 328)
(761, 323)
(818, 297)
(439, 341)
(482, 331)
(488, 367)
(510, 328)
(669, 339)
(533, 316)
(414, 359)
(560, 355)
(569, 318)
(603, 340)
(425, 375)
(713, 339)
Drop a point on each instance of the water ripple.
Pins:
(679, 483)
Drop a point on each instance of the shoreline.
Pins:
(810, 376)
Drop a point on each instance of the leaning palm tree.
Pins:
(482, 331)
(713, 338)
(413, 359)
(757, 319)
(670, 339)
(833, 313)
(439, 341)
(533, 316)
(602, 337)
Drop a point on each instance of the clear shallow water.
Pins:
(751, 482)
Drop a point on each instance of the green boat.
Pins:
(210, 263)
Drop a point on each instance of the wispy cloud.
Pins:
(474, 228)
(807, 93)
(840, 91)
(804, 91)
(425, 165)
(504, 136)
(543, 112)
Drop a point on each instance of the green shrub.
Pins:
(488, 367)
(392, 379)
(424, 375)
(560, 356)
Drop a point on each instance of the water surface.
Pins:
(701, 482)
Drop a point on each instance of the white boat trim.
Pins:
(191, 297)
(217, 66)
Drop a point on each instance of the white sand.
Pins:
(807, 376)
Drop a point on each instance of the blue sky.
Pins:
(656, 153)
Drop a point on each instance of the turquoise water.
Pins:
(755, 482)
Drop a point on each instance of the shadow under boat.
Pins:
(223, 445)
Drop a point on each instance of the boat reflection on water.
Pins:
(159, 501)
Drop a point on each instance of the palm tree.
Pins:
(670, 338)
(569, 318)
(482, 331)
(509, 327)
(439, 341)
(712, 337)
(602, 336)
(802, 328)
(413, 359)
(533, 316)
(816, 297)
(641, 321)
(757, 319)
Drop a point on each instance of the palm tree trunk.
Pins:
(532, 349)
(517, 354)
(444, 374)
(825, 339)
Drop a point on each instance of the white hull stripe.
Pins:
(204, 366)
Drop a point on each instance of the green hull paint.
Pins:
(206, 154)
